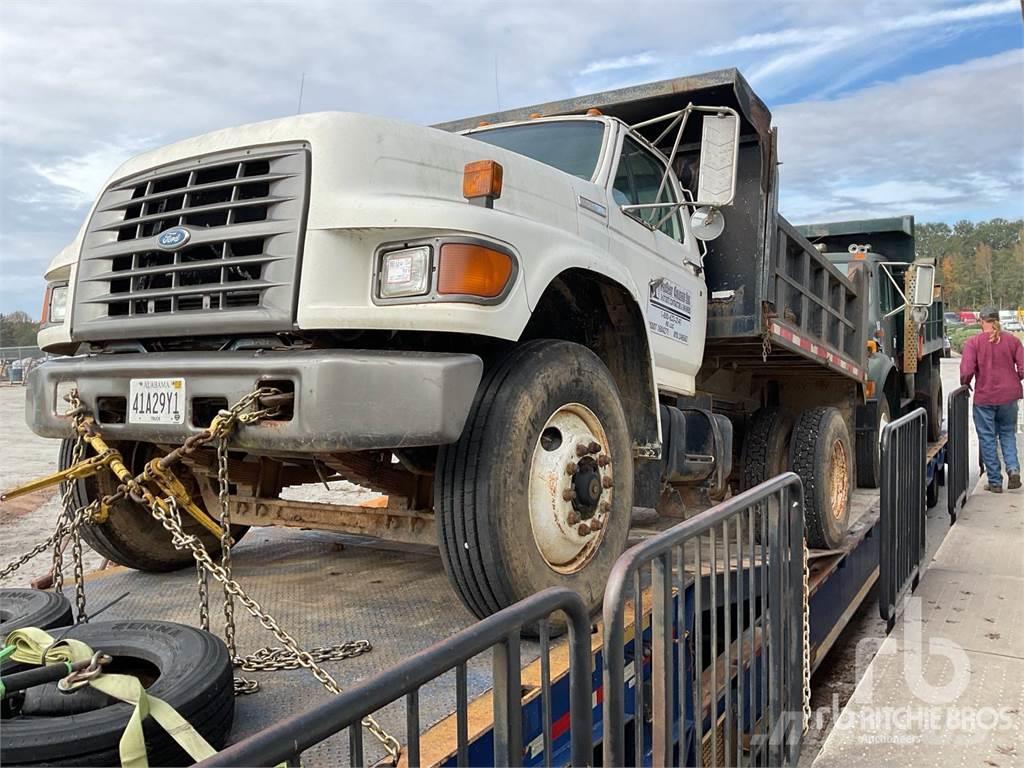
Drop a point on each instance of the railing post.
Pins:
(957, 455)
(613, 677)
(508, 713)
(661, 660)
(902, 497)
(768, 683)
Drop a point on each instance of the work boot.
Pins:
(1013, 482)
(994, 488)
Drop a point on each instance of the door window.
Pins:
(637, 181)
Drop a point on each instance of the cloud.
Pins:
(83, 85)
(877, 24)
(622, 62)
(884, 32)
(941, 144)
(78, 179)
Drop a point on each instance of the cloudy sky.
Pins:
(883, 106)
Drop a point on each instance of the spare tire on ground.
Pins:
(186, 667)
(32, 608)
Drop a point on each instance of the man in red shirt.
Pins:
(995, 361)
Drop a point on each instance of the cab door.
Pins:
(663, 256)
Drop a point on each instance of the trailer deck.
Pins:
(328, 588)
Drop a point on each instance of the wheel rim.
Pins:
(839, 480)
(570, 488)
(883, 422)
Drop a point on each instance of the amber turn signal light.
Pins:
(481, 180)
(44, 314)
(473, 270)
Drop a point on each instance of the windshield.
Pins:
(572, 146)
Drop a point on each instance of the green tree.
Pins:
(17, 329)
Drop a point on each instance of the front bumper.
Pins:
(345, 400)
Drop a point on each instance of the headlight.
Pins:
(405, 273)
(55, 303)
(58, 303)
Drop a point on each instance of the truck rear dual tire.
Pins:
(766, 445)
(820, 453)
(547, 425)
(188, 668)
(130, 536)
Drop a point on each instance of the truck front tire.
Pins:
(130, 536)
(869, 448)
(821, 455)
(538, 490)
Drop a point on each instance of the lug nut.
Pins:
(603, 460)
(571, 468)
(606, 482)
(583, 530)
(604, 507)
(594, 448)
(582, 449)
(595, 524)
(573, 518)
(568, 494)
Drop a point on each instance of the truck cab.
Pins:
(905, 347)
(617, 168)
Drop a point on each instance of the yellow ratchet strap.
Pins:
(30, 644)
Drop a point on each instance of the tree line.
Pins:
(17, 329)
(981, 263)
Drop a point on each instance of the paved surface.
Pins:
(836, 679)
(947, 686)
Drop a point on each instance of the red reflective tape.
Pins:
(814, 349)
(560, 726)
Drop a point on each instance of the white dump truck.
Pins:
(518, 328)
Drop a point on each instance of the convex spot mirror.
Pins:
(707, 223)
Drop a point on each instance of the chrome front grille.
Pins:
(242, 216)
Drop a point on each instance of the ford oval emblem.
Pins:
(172, 238)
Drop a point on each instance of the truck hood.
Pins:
(362, 165)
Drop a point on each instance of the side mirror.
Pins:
(707, 223)
(924, 286)
(719, 155)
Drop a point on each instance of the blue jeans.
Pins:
(997, 423)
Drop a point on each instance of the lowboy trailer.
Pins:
(619, 367)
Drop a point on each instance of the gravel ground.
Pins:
(28, 520)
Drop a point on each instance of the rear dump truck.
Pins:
(518, 329)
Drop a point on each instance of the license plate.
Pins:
(156, 401)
